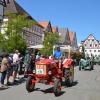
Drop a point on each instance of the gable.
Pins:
(91, 36)
(91, 42)
(46, 25)
(67, 38)
(64, 34)
(10, 7)
(54, 29)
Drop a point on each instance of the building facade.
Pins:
(68, 39)
(91, 46)
(64, 36)
(73, 40)
(33, 35)
(2, 5)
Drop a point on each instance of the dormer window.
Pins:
(90, 45)
(95, 45)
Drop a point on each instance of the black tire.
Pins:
(29, 85)
(69, 80)
(79, 68)
(57, 87)
(90, 65)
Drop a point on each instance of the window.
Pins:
(85, 50)
(88, 39)
(90, 45)
(98, 50)
(92, 39)
(85, 44)
(90, 50)
(94, 50)
(95, 45)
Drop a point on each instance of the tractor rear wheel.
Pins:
(69, 79)
(79, 68)
(29, 85)
(57, 87)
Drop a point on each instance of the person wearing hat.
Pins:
(4, 67)
(15, 64)
(27, 61)
(58, 55)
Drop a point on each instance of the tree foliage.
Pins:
(83, 51)
(49, 41)
(2, 39)
(13, 37)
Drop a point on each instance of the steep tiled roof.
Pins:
(72, 35)
(10, 7)
(64, 33)
(14, 7)
(54, 29)
(44, 24)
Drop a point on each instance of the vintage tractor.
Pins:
(85, 64)
(47, 71)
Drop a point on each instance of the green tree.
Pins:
(83, 51)
(2, 39)
(15, 29)
(49, 41)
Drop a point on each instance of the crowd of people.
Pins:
(9, 67)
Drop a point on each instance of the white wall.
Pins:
(94, 52)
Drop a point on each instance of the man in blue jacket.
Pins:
(58, 55)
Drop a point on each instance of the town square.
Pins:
(49, 50)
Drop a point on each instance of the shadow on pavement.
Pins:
(4, 88)
(73, 84)
(19, 81)
(50, 90)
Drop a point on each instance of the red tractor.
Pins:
(47, 71)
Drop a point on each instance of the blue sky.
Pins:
(81, 16)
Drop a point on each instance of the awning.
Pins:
(36, 47)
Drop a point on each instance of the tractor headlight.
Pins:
(66, 71)
(49, 72)
(34, 71)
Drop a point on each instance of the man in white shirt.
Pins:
(15, 64)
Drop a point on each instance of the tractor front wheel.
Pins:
(29, 85)
(57, 87)
(79, 68)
